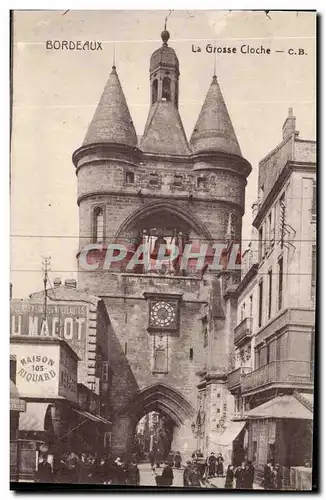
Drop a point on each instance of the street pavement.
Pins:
(147, 477)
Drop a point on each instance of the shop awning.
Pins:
(230, 434)
(286, 406)
(34, 417)
(16, 404)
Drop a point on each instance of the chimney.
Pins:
(57, 282)
(71, 283)
(289, 125)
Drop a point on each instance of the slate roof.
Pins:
(112, 122)
(164, 132)
(214, 130)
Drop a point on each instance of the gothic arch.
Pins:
(159, 397)
(164, 208)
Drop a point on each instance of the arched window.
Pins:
(166, 94)
(154, 91)
(99, 225)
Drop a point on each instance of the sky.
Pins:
(55, 94)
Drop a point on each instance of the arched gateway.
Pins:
(159, 398)
(161, 190)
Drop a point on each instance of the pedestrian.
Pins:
(133, 476)
(186, 474)
(119, 472)
(101, 471)
(151, 457)
(229, 478)
(239, 477)
(83, 469)
(268, 477)
(195, 476)
(177, 460)
(158, 458)
(72, 466)
(44, 472)
(278, 477)
(250, 475)
(219, 465)
(211, 463)
(167, 475)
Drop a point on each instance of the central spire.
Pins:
(164, 132)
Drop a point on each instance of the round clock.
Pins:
(162, 314)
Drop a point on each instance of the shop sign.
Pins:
(68, 376)
(17, 404)
(68, 322)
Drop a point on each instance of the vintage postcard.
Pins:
(163, 249)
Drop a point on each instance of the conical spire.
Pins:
(214, 130)
(112, 122)
(164, 132)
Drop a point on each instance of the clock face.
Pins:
(163, 314)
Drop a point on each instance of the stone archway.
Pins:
(165, 210)
(158, 397)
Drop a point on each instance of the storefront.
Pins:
(46, 377)
(280, 432)
(230, 443)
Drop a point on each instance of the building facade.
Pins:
(273, 385)
(161, 189)
(62, 371)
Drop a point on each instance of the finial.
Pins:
(214, 74)
(290, 112)
(113, 56)
(165, 35)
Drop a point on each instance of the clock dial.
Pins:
(163, 314)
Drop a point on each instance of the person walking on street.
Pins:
(158, 458)
(167, 475)
(151, 457)
(278, 477)
(83, 470)
(133, 476)
(195, 476)
(44, 472)
(239, 477)
(229, 478)
(268, 477)
(72, 466)
(186, 474)
(219, 465)
(211, 463)
(250, 475)
(177, 460)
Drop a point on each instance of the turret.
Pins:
(164, 132)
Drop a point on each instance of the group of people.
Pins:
(215, 465)
(272, 477)
(88, 469)
(240, 477)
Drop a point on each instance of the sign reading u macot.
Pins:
(65, 321)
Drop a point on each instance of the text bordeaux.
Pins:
(73, 45)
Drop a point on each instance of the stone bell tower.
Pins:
(160, 189)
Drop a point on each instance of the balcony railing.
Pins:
(234, 378)
(243, 331)
(279, 372)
